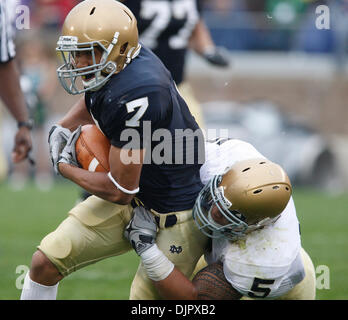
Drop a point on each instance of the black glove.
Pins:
(216, 56)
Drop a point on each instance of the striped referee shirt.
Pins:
(7, 30)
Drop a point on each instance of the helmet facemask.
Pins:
(236, 227)
(212, 195)
(93, 76)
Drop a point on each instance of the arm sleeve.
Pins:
(211, 284)
(132, 118)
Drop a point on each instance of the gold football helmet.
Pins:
(105, 25)
(250, 195)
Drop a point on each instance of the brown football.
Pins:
(92, 149)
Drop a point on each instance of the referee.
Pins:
(10, 90)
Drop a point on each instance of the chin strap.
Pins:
(110, 47)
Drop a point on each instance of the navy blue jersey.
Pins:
(165, 27)
(141, 108)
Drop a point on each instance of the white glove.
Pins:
(57, 140)
(68, 154)
(141, 231)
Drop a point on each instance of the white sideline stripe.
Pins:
(93, 165)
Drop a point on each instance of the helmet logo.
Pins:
(221, 197)
(67, 42)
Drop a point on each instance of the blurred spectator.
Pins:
(339, 21)
(170, 29)
(38, 82)
(10, 91)
(278, 25)
(49, 13)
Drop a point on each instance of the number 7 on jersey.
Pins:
(142, 104)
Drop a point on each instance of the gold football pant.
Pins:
(306, 289)
(94, 230)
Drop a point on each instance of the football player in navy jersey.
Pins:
(156, 151)
(170, 28)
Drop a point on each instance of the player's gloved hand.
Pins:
(68, 155)
(141, 230)
(216, 56)
(57, 139)
(141, 233)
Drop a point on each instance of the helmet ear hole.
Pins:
(92, 11)
(246, 169)
(123, 48)
(257, 191)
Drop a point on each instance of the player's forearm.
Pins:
(96, 183)
(176, 287)
(11, 93)
(77, 115)
(169, 281)
(201, 39)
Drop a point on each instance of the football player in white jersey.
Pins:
(247, 209)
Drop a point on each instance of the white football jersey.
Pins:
(267, 264)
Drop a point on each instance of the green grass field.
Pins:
(27, 216)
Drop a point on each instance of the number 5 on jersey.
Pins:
(257, 290)
(142, 104)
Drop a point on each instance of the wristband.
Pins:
(28, 124)
(120, 187)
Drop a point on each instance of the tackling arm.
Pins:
(209, 283)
